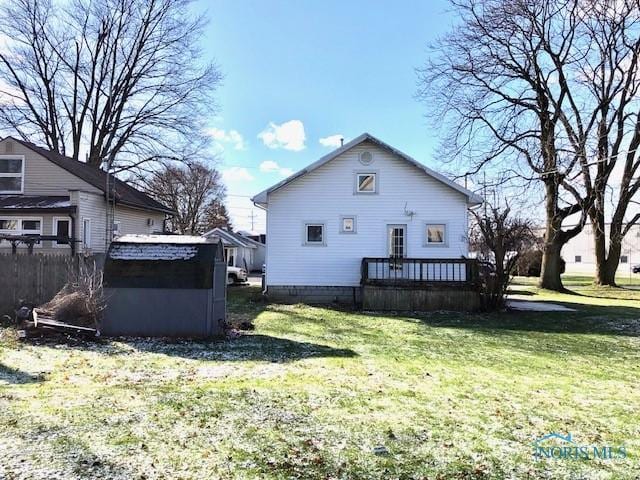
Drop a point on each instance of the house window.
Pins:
(11, 174)
(62, 228)
(116, 229)
(20, 226)
(436, 234)
(578, 259)
(230, 254)
(348, 224)
(86, 233)
(7, 225)
(366, 183)
(314, 234)
(624, 259)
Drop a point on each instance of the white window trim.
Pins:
(305, 241)
(86, 237)
(428, 244)
(20, 231)
(14, 175)
(54, 230)
(356, 183)
(355, 224)
(117, 229)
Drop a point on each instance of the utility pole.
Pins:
(253, 219)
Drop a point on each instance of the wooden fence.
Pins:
(34, 279)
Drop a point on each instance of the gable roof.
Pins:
(125, 194)
(472, 198)
(231, 238)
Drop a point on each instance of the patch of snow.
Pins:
(528, 306)
(152, 252)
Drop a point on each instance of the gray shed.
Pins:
(165, 286)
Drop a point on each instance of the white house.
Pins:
(45, 194)
(579, 253)
(365, 199)
(239, 250)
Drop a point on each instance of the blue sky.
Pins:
(323, 67)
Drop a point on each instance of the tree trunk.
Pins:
(606, 272)
(550, 273)
(553, 241)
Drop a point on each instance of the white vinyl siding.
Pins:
(327, 193)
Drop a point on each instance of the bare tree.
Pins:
(123, 81)
(527, 87)
(611, 132)
(499, 239)
(217, 216)
(193, 190)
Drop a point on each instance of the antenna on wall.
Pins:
(407, 212)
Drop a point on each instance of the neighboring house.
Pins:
(579, 252)
(365, 199)
(239, 251)
(45, 193)
(257, 236)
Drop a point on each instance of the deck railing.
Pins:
(409, 271)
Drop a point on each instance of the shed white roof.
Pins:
(152, 251)
(472, 198)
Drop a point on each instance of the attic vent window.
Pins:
(366, 158)
(8, 147)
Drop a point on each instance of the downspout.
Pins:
(73, 239)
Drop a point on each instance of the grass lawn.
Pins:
(312, 391)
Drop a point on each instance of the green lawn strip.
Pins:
(312, 391)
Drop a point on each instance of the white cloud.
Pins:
(236, 174)
(332, 140)
(269, 166)
(221, 136)
(290, 135)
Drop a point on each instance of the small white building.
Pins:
(365, 199)
(579, 252)
(239, 250)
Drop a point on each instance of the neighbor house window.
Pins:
(62, 228)
(314, 234)
(348, 224)
(20, 226)
(366, 183)
(624, 259)
(86, 233)
(578, 259)
(11, 174)
(436, 234)
(8, 225)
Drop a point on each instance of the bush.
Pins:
(530, 264)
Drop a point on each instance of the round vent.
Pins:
(366, 158)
